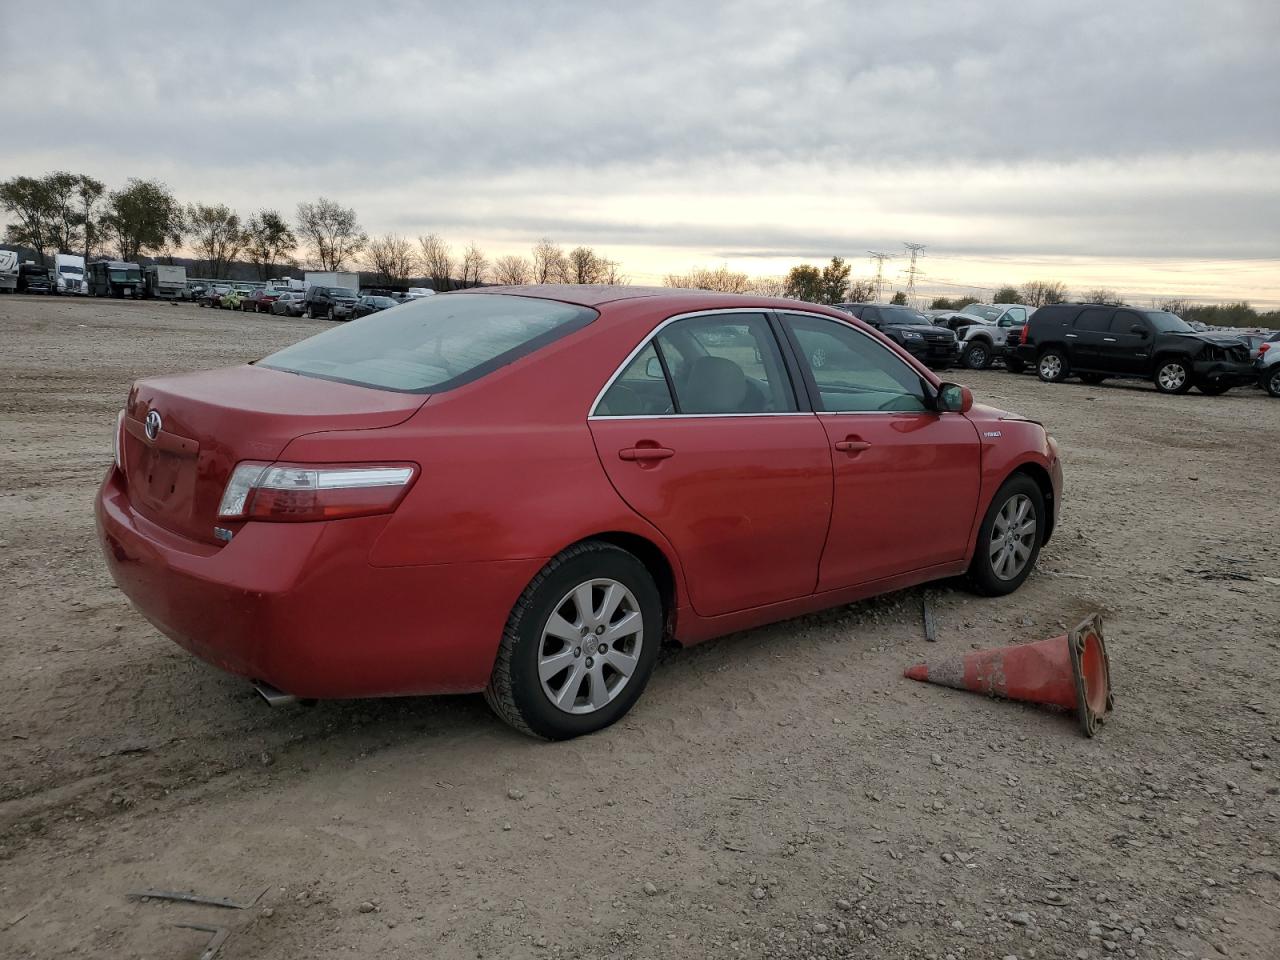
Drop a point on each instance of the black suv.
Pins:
(329, 303)
(1094, 342)
(909, 329)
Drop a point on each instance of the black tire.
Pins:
(1213, 389)
(1270, 380)
(1014, 365)
(981, 575)
(1093, 379)
(1168, 371)
(977, 355)
(330, 316)
(1050, 372)
(307, 313)
(515, 690)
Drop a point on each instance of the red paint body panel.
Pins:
(512, 472)
(745, 501)
(905, 502)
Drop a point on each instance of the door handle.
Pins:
(852, 445)
(645, 453)
(1108, 339)
(1073, 336)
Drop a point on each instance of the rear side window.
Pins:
(432, 344)
(1095, 318)
(725, 364)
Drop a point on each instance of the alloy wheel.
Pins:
(1050, 366)
(1172, 376)
(590, 646)
(1013, 535)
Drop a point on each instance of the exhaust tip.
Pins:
(274, 697)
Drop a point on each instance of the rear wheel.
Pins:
(1052, 366)
(1009, 539)
(1173, 375)
(977, 355)
(580, 644)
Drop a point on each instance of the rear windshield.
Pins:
(432, 344)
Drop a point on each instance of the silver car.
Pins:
(985, 340)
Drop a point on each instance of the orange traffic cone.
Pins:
(1071, 671)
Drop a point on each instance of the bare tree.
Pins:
(217, 234)
(611, 273)
(721, 280)
(1037, 293)
(392, 258)
(437, 261)
(474, 265)
(332, 233)
(549, 263)
(768, 286)
(512, 270)
(584, 265)
(1103, 295)
(861, 291)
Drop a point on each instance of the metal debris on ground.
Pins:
(225, 903)
(219, 936)
(930, 625)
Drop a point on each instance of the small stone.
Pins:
(506, 826)
(948, 858)
(844, 904)
(649, 889)
(1181, 923)
(819, 928)
(367, 907)
(267, 759)
(758, 893)
(936, 759)
(515, 793)
(268, 912)
(1138, 933)
(1257, 765)
(1022, 919)
(540, 942)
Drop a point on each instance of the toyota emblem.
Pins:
(152, 425)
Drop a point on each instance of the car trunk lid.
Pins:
(203, 424)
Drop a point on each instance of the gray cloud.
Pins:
(964, 118)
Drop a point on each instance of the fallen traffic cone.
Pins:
(1071, 671)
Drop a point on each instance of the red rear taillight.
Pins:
(297, 492)
(1263, 348)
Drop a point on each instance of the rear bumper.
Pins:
(1224, 372)
(300, 606)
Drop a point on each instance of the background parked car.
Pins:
(911, 330)
(953, 320)
(367, 305)
(1268, 365)
(258, 301)
(984, 339)
(329, 303)
(232, 299)
(1094, 341)
(212, 296)
(287, 304)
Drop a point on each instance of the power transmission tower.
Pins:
(879, 259)
(914, 249)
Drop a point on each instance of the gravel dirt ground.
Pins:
(778, 793)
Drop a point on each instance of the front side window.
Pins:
(852, 372)
(432, 344)
(725, 364)
(1125, 321)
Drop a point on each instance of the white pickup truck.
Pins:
(984, 340)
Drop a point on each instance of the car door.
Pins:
(906, 477)
(1084, 339)
(1126, 347)
(702, 434)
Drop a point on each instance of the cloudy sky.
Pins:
(1101, 142)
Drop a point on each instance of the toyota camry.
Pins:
(526, 490)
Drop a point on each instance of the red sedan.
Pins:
(525, 490)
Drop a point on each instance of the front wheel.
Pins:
(977, 355)
(331, 314)
(580, 644)
(1052, 366)
(1009, 539)
(1271, 380)
(1173, 375)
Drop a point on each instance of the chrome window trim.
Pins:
(758, 311)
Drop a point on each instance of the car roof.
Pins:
(676, 299)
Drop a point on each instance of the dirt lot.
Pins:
(780, 793)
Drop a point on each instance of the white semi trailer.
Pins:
(8, 271)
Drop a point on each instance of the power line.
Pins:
(914, 249)
(879, 259)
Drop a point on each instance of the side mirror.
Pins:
(653, 369)
(1139, 329)
(953, 398)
